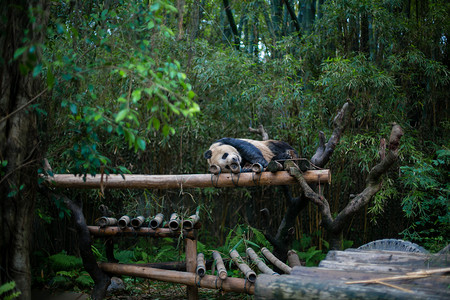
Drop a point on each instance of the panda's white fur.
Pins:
(227, 152)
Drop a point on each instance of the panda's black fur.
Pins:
(246, 152)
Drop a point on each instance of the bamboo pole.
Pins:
(137, 222)
(190, 222)
(174, 222)
(157, 221)
(238, 285)
(293, 258)
(123, 222)
(259, 263)
(143, 231)
(275, 261)
(201, 269)
(137, 181)
(237, 259)
(105, 221)
(221, 271)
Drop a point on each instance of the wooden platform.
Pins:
(357, 274)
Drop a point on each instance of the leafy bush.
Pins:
(7, 291)
(63, 262)
(427, 201)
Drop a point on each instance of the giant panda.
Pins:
(230, 153)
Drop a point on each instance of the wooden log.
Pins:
(238, 285)
(221, 271)
(245, 269)
(293, 259)
(201, 269)
(321, 283)
(380, 260)
(136, 181)
(275, 261)
(143, 231)
(191, 264)
(259, 263)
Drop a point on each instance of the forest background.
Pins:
(146, 86)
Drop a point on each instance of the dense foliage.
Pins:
(146, 86)
(128, 71)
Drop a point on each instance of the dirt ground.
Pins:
(152, 290)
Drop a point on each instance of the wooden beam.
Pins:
(143, 231)
(238, 285)
(137, 181)
(323, 283)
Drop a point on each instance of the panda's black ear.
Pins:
(208, 154)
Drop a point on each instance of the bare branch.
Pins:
(323, 153)
(261, 131)
(317, 199)
(373, 179)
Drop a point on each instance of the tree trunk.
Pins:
(233, 26)
(18, 142)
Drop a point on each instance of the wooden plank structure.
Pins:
(356, 274)
(363, 274)
(111, 227)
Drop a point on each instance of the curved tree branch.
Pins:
(101, 280)
(335, 226)
(342, 119)
(373, 180)
(261, 131)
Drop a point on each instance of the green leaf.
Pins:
(73, 108)
(141, 143)
(165, 130)
(136, 96)
(155, 6)
(156, 123)
(19, 52)
(37, 70)
(121, 115)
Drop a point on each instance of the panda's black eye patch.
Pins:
(225, 155)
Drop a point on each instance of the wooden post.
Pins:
(191, 265)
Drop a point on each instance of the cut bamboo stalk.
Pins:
(259, 263)
(174, 222)
(190, 222)
(245, 269)
(201, 269)
(221, 271)
(238, 285)
(123, 222)
(143, 231)
(105, 221)
(157, 221)
(136, 181)
(275, 261)
(293, 259)
(137, 222)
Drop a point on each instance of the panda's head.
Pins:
(226, 157)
